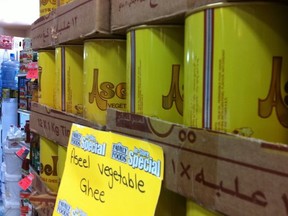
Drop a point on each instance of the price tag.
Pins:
(26, 182)
(6, 42)
(32, 70)
(22, 153)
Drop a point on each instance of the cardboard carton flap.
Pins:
(146, 12)
(227, 173)
(81, 19)
(55, 125)
(71, 22)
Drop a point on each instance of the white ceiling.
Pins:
(18, 14)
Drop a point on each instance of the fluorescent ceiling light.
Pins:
(19, 12)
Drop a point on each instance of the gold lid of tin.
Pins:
(153, 26)
(196, 6)
(104, 40)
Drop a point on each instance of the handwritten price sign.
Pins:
(115, 174)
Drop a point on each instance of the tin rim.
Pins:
(104, 39)
(68, 45)
(45, 50)
(153, 26)
(234, 3)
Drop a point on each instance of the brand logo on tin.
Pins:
(174, 94)
(50, 169)
(44, 2)
(274, 97)
(107, 91)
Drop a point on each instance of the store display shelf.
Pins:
(23, 111)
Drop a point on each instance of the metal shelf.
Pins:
(22, 111)
(22, 74)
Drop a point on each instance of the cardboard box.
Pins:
(225, 173)
(72, 22)
(41, 31)
(55, 125)
(127, 13)
(193, 5)
(82, 19)
(38, 186)
(43, 203)
(41, 197)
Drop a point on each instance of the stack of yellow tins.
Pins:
(69, 97)
(46, 96)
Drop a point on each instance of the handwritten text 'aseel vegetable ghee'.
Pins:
(136, 158)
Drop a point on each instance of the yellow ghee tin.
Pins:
(193, 209)
(155, 71)
(69, 79)
(46, 6)
(170, 204)
(236, 66)
(46, 77)
(62, 152)
(48, 163)
(104, 78)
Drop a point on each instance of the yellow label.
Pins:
(46, 78)
(235, 77)
(46, 6)
(109, 174)
(48, 163)
(69, 79)
(104, 78)
(155, 72)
